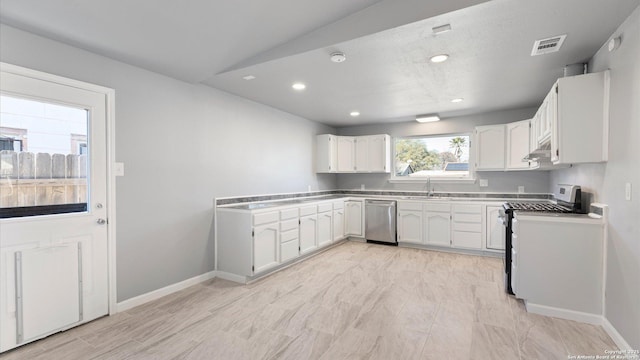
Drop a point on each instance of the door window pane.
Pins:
(43, 158)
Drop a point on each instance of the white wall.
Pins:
(182, 145)
(607, 181)
(533, 181)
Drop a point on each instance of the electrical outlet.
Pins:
(361, 186)
(308, 188)
(627, 191)
(484, 182)
(521, 189)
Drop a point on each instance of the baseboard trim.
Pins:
(231, 277)
(615, 335)
(588, 318)
(156, 294)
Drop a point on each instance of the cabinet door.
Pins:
(533, 132)
(326, 153)
(410, 227)
(490, 147)
(362, 154)
(325, 233)
(338, 225)
(438, 228)
(353, 218)
(308, 233)
(495, 231)
(517, 144)
(346, 150)
(379, 151)
(265, 247)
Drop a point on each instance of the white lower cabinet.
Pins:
(437, 218)
(410, 226)
(495, 231)
(325, 232)
(466, 227)
(338, 224)
(266, 242)
(354, 218)
(308, 240)
(438, 228)
(410, 222)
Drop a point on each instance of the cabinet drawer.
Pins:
(308, 210)
(405, 205)
(288, 250)
(471, 209)
(289, 225)
(288, 214)
(469, 227)
(289, 235)
(265, 218)
(469, 240)
(467, 218)
(437, 207)
(338, 205)
(325, 207)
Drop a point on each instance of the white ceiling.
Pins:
(387, 75)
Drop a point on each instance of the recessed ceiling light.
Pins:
(427, 118)
(457, 100)
(249, 77)
(439, 58)
(354, 113)
(441, 29)
(299, 86)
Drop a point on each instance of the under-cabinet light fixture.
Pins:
(427, 118)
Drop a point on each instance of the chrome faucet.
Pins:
(428, 187)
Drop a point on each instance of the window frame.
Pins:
(469, 179)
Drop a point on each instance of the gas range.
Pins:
(538, 207)
(568, 199)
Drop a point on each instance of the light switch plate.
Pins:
(118, 169)
(627, 191)
(484, 182)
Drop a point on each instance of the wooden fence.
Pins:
(28, 179)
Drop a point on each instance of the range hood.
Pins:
(541, 153)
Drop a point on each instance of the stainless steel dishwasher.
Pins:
(380, 221)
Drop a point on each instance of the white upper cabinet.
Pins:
(346, 153)
(327, 153)
(379, 153)
(362, 154)
(490, 147)
(580, 122)
(517, 145)
(349, 154)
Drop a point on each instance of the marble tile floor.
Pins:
(354, 301)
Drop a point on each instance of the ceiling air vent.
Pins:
(548, 45)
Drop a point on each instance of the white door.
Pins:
(362, 154)
(53, 207)
(495, 230)
(410, 226)
(353, 218)
(325, 235)
(265, 247)
(308, 233)
(338, 224)
(378, 153)
(517, 144)
(490, 147)
(346, 150)
(438, 228)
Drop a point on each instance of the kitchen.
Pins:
(169, 124)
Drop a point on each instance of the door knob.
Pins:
(101, 221)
